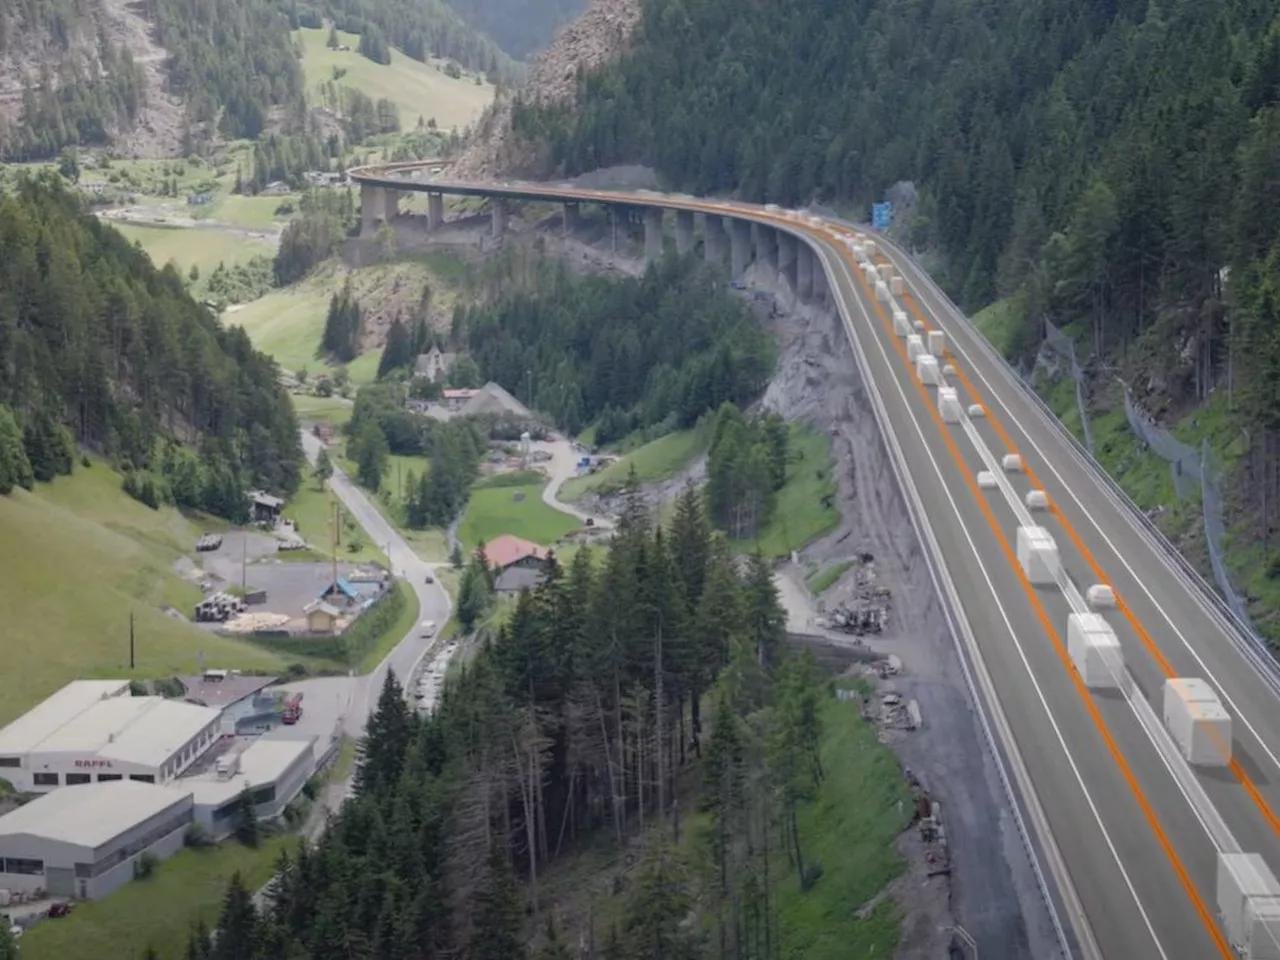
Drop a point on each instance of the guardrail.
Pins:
(952, 609)
(1250, 644)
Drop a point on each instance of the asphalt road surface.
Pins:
(433, 601)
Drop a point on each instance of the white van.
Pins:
(428, 629)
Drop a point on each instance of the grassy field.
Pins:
(417, 89)
(188, 246)
(800, 516)
(334, 410)
(312, 511)
(657, 460)
(824, 578)
(288, 323)
(82, 556)
(849, 829)
(496, 510)
(156, 912)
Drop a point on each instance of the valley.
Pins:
(582, 589)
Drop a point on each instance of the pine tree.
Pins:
(199, 946)
(386, 739)
(496, 934)
(323, 469)
(237, 924)
(15, 468)
(555, 948)
(398, 352)
(8, 946)
(248, 830)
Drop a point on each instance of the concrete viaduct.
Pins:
(730, 236)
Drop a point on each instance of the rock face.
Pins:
(599, 35)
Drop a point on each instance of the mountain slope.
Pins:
(1105, 159)
(99, 349)
(91, 72)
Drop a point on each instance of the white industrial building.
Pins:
(83, 842)
(273, 771)
(94, 731)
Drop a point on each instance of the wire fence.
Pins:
(1065, 347)
(1193, 469)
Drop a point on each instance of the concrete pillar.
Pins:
(371, 209)
(652, 234)
(804, 271)
(739, 247)
(570, 218)
(787, 258)
(819, 281)
(684, 231)
(764, 240)
(435, 211)
(390, 204)
(613, 226)
(714, 246)
(498, 212)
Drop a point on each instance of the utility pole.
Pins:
(244, 565)
(337, 538)
(131, 642)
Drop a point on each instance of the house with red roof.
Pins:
(519, 563)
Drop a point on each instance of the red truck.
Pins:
(292, 710)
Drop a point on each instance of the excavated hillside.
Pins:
(599, 35)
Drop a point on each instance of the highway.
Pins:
(1127, 833)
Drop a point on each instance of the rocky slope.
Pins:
(29, 49)
(600, 34)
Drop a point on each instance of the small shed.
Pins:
(265, 507)
(322, 617)
(341, 593)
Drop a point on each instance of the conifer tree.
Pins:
(386, 740)
(237, 924)
(496, 927)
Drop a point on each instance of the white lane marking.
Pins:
(1207, 673)
(1009, 626)
(1179, 770)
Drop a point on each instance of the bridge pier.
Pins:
(569, 218)
(435, 211)
(684, 231)
(804, 272)
(652, 234)
(787, 259)
(371, 210)
(498, 212)
(713, 246)
(765, 241)
(739, 247)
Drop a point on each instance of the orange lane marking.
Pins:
(1148, 641)
(1043, 616)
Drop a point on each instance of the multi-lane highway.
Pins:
(1126, 833)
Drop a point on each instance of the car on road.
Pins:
(430, 579)
(427, 630)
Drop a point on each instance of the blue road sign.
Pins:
(881, 214)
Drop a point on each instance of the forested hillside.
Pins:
(521, 27)
(657, 352)
(100, 349)
(419, 29)
(570, 721)
(1105, 161)
(228, 61)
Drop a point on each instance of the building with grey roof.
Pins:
(94, 731)
(85, 841)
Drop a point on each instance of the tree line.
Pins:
(571, 725)
(746, 467)
(99, 349)
(653, 353)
